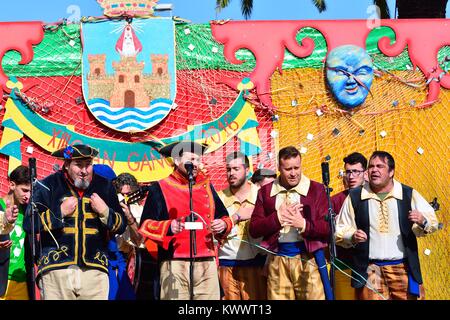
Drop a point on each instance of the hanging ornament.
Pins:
(245, 85)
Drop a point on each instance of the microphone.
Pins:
(189, 166)
(32, 167)
(325, 173)
(56, 167)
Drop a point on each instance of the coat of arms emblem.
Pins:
(129, 79)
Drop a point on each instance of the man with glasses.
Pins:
(263, 176)
(355, 174)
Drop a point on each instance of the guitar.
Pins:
(136, 196)
(142, 260)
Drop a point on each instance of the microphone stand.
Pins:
(192, 239)
(32, 167)
(331, 220)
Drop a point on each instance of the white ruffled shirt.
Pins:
(385, 238)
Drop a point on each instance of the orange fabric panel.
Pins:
(152, 248)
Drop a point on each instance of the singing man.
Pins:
(290, 216)
(163, 220)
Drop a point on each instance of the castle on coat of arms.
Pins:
(128, 86)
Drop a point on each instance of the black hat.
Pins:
(77, 151)
(177, 148)
(259, 174)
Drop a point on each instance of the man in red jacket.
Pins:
(290, 216)
(164, 221)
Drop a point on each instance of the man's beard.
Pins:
(81, 184)
(238, 183)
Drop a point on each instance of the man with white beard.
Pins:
(77, 210)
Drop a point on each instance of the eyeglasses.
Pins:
(355, 172)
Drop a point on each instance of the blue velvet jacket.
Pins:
(80, 239)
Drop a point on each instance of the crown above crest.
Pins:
(113, 8)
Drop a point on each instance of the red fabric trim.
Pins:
(152, 248)
(184, 182)
(224, 234)
(156, 231)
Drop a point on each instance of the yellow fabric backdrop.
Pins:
(393, 107)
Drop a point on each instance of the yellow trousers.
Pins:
(16, 291)
(342, 282)
(294, 278)
(387, 282)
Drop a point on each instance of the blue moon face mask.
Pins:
(349, 74)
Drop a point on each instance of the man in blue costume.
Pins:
(76, 209)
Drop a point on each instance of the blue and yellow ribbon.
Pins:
(141, 158)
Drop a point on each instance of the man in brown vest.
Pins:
(381, 220)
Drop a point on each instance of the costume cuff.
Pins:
(279, 218)
(104, 216)
(421, 230)
(227, 230)
(345, 239)
(157, 231)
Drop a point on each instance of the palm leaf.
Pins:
(246, 8)
(384, 8)
(221, 4)
(320, 5)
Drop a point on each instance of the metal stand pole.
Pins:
(193, 243)
(331, 220)
(32, 167)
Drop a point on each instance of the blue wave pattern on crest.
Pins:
(126, 119)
